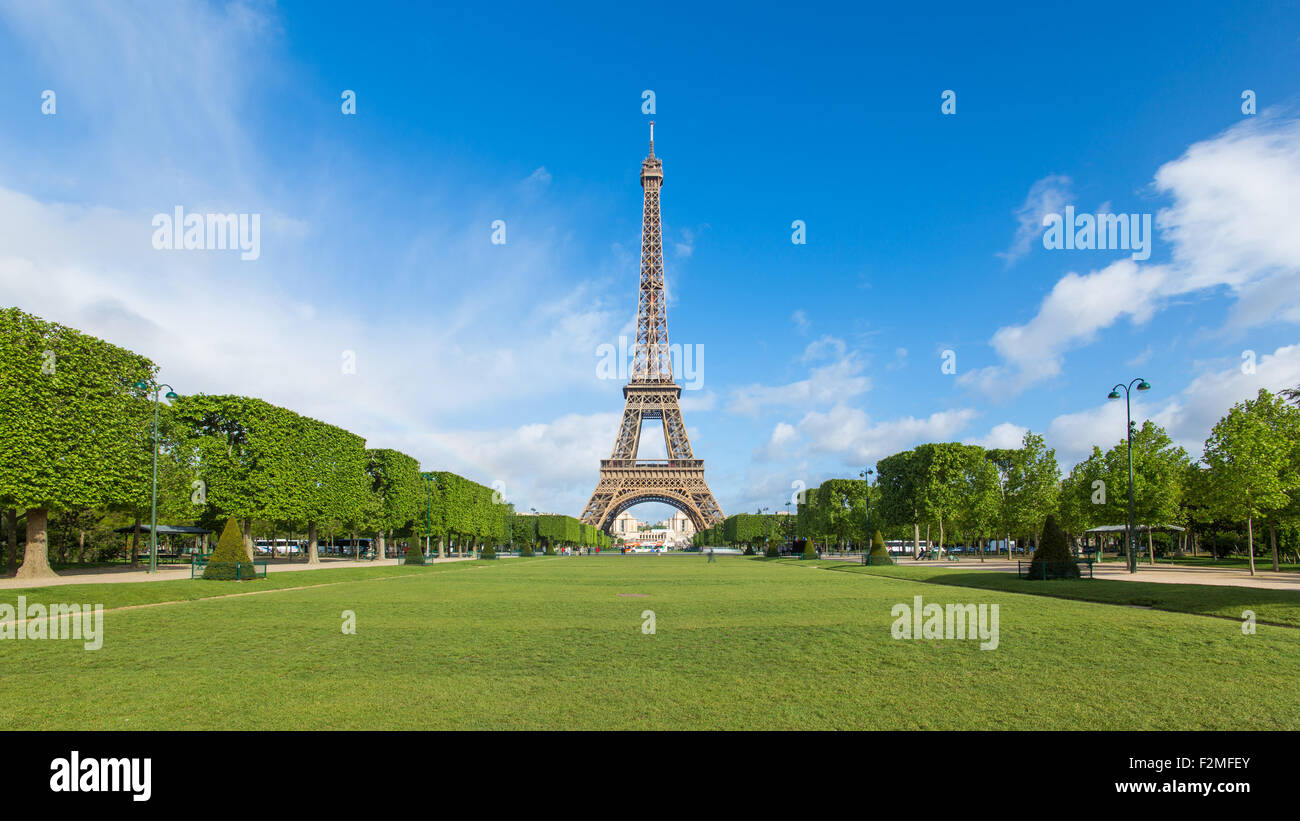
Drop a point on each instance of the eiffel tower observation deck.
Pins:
(652, 393)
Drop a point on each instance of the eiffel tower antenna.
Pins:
(651, 393)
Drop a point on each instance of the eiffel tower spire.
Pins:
(652, 361)
(651, 393)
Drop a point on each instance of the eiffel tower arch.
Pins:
(651, 393)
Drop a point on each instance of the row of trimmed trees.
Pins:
(76, 420)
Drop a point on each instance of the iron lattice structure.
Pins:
(651, 393)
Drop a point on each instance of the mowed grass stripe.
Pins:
(1277, 607)
(739, 644)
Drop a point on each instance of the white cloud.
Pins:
(549, 466)
(1071, 314)
(850, 433)
(1005, 435)
(1231, 223)
(1188, 416)
(839, 380)
(1046, 196)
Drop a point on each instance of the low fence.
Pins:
(238, 571)
(1077, 569)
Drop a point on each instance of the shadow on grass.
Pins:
(1276, 607)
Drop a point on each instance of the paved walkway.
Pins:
(174, 572)
(1161, 573)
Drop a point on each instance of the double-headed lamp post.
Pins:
(866, 476)
(153, 516)
(1141, 385)
(428, 509)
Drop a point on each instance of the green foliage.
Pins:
(415, 554)
(879, 552)
(809, 550)
(773, 551)
(230, 555)
(74, 430)
(1253, 456)
(1052, 558)
(395, 480)
(488, 552)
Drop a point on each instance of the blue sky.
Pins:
(923, 229)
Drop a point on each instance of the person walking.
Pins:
(710, 555)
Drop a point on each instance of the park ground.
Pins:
(558, 643)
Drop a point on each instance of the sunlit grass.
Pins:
(558, 644)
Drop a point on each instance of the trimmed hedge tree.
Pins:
(1052, 559)
(229, 555)
(809, 550)
(415, 554)
(879, 553)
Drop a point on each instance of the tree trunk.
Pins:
(1151, 547)
(313, 557)
(11, 537)
(135, 543)
(81, 548)
(1249, 542)
(36, 560)
(248, 538)
(1272, 537)
(916, 540)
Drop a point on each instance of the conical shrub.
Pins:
(879, 553)
(1052, 558)
(809, 550)
(226, 561)
(415, 553)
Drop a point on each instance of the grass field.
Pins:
(557, 644)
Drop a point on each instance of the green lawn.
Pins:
(557, 644)
(1281, 607)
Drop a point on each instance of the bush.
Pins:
(1052, 558)
(879, 553)
(550, 549)
(415, 554)
(773, 551)
(809, 550)
(230, 557)
(488, 552)
(526, 550)
(749, 550)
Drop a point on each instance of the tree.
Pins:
(74, 428)
(977, 497)
(1251, 456)
(899, 479)
(842, 507)
(229, 562)
(879, 553)
(1052, 558)
(395, 481)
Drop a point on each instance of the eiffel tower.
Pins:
(651, 393)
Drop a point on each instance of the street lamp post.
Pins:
(866, 551)
(428, 509)
(153, 516)
(1142, 385)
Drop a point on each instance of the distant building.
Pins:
(626, 525)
